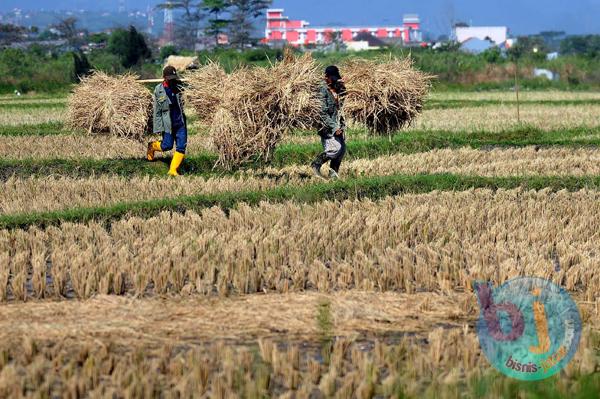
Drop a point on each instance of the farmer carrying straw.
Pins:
(334, 127)
(169, 119)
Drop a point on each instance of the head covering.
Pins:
(170, 73)
(333, 73)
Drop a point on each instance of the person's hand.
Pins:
(339, 132)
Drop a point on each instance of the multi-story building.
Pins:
(299, 32)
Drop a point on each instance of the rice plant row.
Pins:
(440, 241)
(56, 193)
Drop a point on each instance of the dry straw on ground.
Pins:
(384, 96)
(114, 105)
(108, 347)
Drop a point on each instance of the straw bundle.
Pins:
(253, 108)
(296, 81)
(182, 63)
(115, 105)
(384, 96)
(204, 90)
(259, 105)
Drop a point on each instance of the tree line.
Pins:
(215, 17)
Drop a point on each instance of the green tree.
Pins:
(532, 47)
(167, 51)
(130, 46)
(216, 24)
(492, 55)
(98, 38)
(588, 46)
(68, 29)
(244, 13)
(81, 66)
(188, 6)
(11, 33)
(187, 26)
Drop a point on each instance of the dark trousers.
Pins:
(334, 150)
(180, 139)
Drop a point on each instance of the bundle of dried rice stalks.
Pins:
(259, 105)
(296, 81)
(115, 105)
(204, 90)
(384, 96)
(182, 63)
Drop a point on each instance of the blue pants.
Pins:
(180, 139)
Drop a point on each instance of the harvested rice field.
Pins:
(117, 281)
(39, 194)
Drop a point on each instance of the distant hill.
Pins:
(104, 5)
(93, 21)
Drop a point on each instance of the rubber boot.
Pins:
(152, 148)
(176, 163)
(317, 163)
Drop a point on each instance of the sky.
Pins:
(521, 16)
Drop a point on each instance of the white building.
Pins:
(497, 34)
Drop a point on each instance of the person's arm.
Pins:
(157, 117)
(329, 122)
(343, 126)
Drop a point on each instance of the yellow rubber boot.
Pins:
(175, 163)
(152, 148)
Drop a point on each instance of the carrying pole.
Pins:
(155, 80)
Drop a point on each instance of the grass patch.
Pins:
(421, 141)
(325, 327)
(293, 154)
(355, 188)
(32, 105)
(429, 105)
(453, 104)
(494, 384)
(42, 129)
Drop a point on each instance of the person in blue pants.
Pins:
(169, 120)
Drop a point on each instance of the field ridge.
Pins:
(355, 188)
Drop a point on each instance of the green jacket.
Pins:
(331, 114)
(162, 112)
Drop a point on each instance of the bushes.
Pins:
(232, 59)
(38, 70)
(29, 71)
(130, 46)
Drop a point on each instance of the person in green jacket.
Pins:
(333, 131)
(169, 120)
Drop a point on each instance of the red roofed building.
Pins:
(299, 32)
